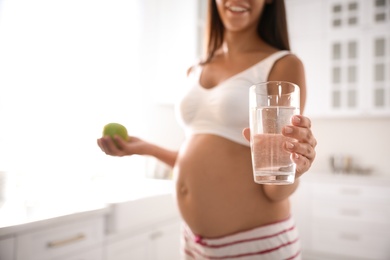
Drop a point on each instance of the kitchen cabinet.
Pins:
(157, 243)
(144, 229)
(343, 217)
(346, 52)
(94, 254)
(166, 241)
(65, 241)
(46, 234)
(7, 247)
(133, 246)
(139, 220)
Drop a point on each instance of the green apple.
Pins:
(113, 129)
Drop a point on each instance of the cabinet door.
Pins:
(345, 50)
(166, 242)
(301, 213)
(159, 243)
(94, 254)
(349, 217)
(61, 240)
(132, 247)
(7, 246)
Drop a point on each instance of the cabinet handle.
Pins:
(66, 241)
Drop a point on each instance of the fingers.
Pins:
(302, 144)
(99, 143)
(300, 130)
(246, 134)
(120, 142)
(109, 146)
(303, 150)
(299, 120)
(303, 164)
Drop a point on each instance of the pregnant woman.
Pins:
(226, 214)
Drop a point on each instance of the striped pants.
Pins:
(275, 241)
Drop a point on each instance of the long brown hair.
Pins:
(272, 28)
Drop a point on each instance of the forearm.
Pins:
(277, 193)
(164, 155)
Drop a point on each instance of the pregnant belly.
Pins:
(215, 190)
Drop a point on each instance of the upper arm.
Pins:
(290, 68)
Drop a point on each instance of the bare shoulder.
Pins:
(289, 60)
(289, 68)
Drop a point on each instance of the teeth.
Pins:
(237, 9)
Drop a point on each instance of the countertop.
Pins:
(347, 178)
(33, 207)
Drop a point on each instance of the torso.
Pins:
(216, 193)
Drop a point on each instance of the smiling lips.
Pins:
(237, 8)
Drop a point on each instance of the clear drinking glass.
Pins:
(272, 104)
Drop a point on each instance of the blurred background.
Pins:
(67, 68)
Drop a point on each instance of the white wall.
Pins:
(366, 140)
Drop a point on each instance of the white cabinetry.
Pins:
(144, 229)
(344, 217)
(345, 47)
(7, 247)
(94, 254)
(74, 240)
(157, 243)
(135, 246)
(142, 223)
(166, 242)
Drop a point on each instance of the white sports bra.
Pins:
(222, 110)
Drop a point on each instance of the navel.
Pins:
(182, 190)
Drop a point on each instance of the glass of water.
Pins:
(272, 104)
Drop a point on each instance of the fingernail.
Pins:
(289, 145)
(288, 130)
(296, 119)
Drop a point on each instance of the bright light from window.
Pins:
(66, 69)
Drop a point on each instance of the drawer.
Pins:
(351, 240)
(95, 254)
(7, 247)
(353, 210)
(347, 192)
(52, 243)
